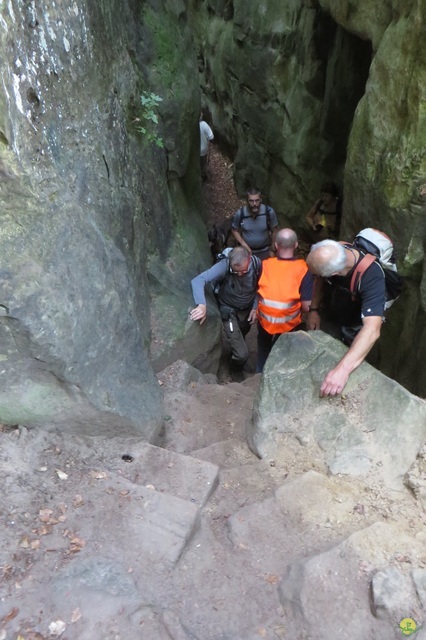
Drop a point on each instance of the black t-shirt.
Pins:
(370, 296)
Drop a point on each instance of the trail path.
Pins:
(107, 537)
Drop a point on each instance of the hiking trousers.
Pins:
(236, 327)
(265, 342)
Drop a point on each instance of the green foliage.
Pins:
(147, 120)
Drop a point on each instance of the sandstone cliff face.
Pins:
(90, 209)
(330, 90)
(101, 230)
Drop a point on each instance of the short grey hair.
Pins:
(238, 256)
(326, 258)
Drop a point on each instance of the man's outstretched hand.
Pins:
(199, 313)
(334, 382)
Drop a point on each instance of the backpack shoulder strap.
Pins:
(240, 215)
(257, 266)
(268, 216)
(361, 267)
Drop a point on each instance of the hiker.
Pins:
(255, 225)
(206, 136)
(218, 236)
(237, 277)
(361, 319)
(324, 217)
(284, 293)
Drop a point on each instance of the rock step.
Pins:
(181, 476)
(206, 414)
(152, 526)
(226, 453)
(178, 475)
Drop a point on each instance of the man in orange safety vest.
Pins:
(284, 293)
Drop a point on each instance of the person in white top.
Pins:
(206, 136)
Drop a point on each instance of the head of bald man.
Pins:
(286, 239)
(327, 258)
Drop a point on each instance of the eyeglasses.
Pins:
(241, 272)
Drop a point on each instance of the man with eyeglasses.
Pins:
(236, 278)
(255, 226)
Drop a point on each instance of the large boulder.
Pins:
(375, 429)
(99, 197)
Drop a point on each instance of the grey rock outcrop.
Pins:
(355, 433)
(98, 221)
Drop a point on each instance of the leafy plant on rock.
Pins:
(147, 120)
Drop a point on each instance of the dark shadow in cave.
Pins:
(346, 61)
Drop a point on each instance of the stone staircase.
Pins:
(196, 539)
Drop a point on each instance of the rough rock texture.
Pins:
(112, 537)
(330, 90)
(356, 432)
(96, 219)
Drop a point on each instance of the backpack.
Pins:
(225, 256)
(376, 246)
(241, 216)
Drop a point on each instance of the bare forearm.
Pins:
(361, 346)
(336, 379)
(239, 239)
(313, 319)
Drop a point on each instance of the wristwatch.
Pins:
(313, 308)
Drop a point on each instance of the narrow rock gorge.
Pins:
(132, 505)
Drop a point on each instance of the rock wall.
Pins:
(96, 218)
(304, 92)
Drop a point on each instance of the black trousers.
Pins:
(265, 342)
(236, 327)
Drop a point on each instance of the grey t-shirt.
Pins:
(254, 230)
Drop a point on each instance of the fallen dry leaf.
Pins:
(76, 544)
(61, 474)
(76, 615)
(35, 544)
(98, 475)
(43, 531)
(271, 578)
(24, 542)
(77, 501)
(44, 515)
(12, 614)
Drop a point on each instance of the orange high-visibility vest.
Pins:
(280, 306)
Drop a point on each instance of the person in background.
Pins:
(236, 278)
(255, 225)
(284, 294)
(324, 217)
(206, 136)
